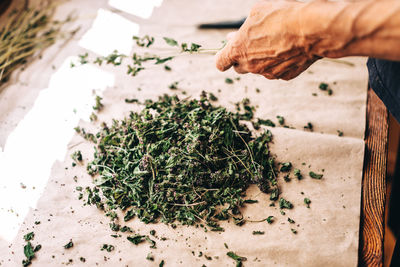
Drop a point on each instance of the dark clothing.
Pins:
(384, 79)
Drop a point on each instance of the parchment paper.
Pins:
(327, 232)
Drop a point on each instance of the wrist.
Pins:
(327, 27)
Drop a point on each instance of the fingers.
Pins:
(230, 35)
(224, 58)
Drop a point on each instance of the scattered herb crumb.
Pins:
(98, 105)
(136, 239)
(29, 236)
(286, 167)
(281, 120)
(228, 80)
(236, 257)
(309, 127)
(307, 201)
(316, 175)
(270, 219)
(107, 247)
(297, 173)
(70, 244)
(258, 232)
(284, 204)
(150, 257)
(173, 86)
(294, 231)
(323, 86)
(132, 100)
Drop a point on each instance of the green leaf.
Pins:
(70, 244)
(307, 201)
(258, 232)
(250, 201)
(136, 239)
(28, 251)
(284, 204)
(163, 60)
(29, 236)
(297, 173)
(170, 41)
(236, 257)
(315, 175)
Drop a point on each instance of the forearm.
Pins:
(364, 28)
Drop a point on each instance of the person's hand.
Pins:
(270, 43)
(282, 38)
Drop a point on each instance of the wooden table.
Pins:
(372, 224)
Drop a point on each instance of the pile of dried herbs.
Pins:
(180, 160)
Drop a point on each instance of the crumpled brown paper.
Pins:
(327, 232)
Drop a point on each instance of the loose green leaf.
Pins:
(136, 239)
(281, 120)
(286, 167)
(236, 257)
(228, 80)
(29, 236)
(70, 244)
(309, 127)
(307, 201)
(170, 41)
(270, 219)
(258, 232)
(323, 86)
(150, 257)
(107, 247)
(315, 175)
(298, 174)
(284, 204)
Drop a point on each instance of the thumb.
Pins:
(224, 58)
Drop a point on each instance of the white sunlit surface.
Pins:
(109, 32)
(140, 8)
(42, 137)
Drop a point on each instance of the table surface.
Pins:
(372, 223)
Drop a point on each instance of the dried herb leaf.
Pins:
(70, 244)
(307, 201)
(170, 41)
(284, 204)
(29, 236)
(258, 232)
(315, 175)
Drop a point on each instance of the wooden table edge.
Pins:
(373, 189)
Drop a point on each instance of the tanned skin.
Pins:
(280, 39)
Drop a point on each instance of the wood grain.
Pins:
(372, 223)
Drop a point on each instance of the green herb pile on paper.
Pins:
(180, 160)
